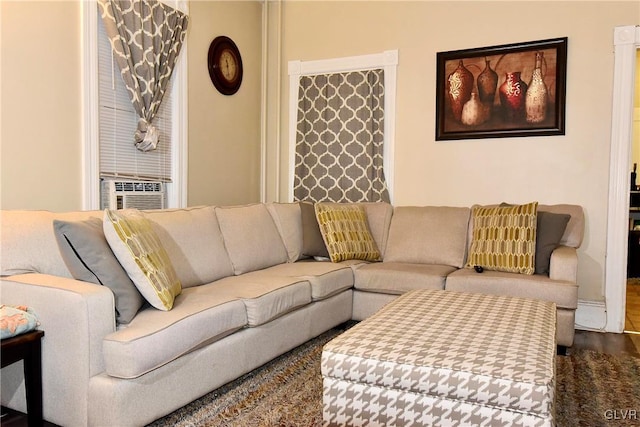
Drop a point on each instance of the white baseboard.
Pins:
(591, 316)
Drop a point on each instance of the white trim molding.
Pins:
(591, 315)
(387, 60)
(90, 147)
(626, 42)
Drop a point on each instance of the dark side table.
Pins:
(27, 347)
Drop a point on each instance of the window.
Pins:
(117, 123)
(342, 122)
(110, 121)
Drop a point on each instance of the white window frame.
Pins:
(177, 190)
(387, 60)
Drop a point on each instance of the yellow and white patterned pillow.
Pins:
(504, 238)
(345, 232)
(141, 254)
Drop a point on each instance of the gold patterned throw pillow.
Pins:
(140, 252)
(346, 233)
(504, 238)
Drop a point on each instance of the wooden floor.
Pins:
(632, 318)
(11, 418)
(606, 342)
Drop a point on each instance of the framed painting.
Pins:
(510, 90)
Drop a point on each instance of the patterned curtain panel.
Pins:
(146, 37)
(339, 141)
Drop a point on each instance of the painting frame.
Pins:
(529, 95)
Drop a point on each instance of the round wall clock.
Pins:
(225, 65)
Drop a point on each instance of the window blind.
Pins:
(118, 120)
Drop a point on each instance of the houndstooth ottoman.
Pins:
(434, 357)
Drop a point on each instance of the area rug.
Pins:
(593, 389)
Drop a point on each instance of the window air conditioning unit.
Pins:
(133, 194)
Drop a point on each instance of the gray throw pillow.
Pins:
(312, 242)
(89, 258)
(550, 228)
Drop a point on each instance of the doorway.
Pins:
(632, 309)
(626, 45)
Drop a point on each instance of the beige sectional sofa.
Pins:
(250, 292)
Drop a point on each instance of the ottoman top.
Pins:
(494, 350)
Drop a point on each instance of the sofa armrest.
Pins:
(75, 316)
(564, 264)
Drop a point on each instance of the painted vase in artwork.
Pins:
(459, 87)
(513, 93)
(474, 112)
(487, 82)
(537, 94)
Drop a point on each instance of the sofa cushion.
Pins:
(28, 243)
(312, 242)
(288, 220)
(89, 258)
(399, 277)
(200, 315)
(537, 286)
(140, 252)
(265, 296)
(251, 237)
(326, 278)
(345, 232)
(504, 238)
(379, 216)
(428, 235)
(194, 243)
(574, 233)
(550, 228)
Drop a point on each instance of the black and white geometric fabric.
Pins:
(434, 357)
(339, 138)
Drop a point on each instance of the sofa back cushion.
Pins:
(428, 235)
(288, 220)
(251, 237)
(28, 243)
(379, 217)
(194, 243)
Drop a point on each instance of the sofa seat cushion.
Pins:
(326, 278)
(200, 315)
(400, 277)
(536, 286)
(266, 296)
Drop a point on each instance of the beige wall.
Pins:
(224, 131)
(41, 100)
(40, 137)
(561, 169)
